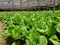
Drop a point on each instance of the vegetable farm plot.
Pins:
(31, 28)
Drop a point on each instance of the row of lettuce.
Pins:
(32, 28)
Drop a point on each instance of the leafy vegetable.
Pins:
(32, 28)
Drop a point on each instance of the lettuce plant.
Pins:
(32, 28)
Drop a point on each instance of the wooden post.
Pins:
(27, 5)
(20, 4)
(38, 4)
(47, 4)
(9, 5)
(13, 5)
(53, 6)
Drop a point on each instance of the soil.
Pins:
(2, 12)
(1, 31)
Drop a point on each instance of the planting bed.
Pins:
(31, 28)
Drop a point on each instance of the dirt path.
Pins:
(2, 12)
(1, 31)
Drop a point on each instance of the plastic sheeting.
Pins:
(24, 4)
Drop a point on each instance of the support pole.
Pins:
(53, 6)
